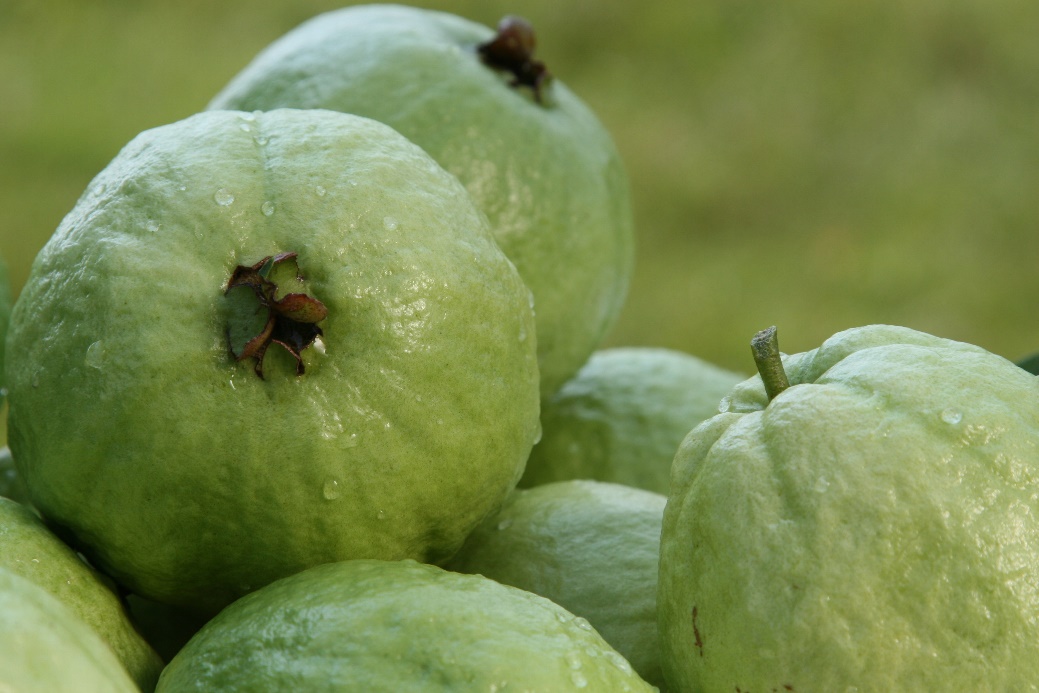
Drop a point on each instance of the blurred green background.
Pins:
(813, 164)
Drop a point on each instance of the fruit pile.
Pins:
(307, 392)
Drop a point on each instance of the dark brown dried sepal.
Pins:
(291, 320)
(512, 50)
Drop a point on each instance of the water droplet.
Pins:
(183, 188)
(573, 660)
(36, 560)
(267, 208)
(95, 354)
(579, 680)
(319, 345)
(523, 333)
(538, 432)
(821, 484)
(951, 416)
(244, 127)
(505, 524)
(618, 661)
(248, 116)
(724, 404)
(583, 623)
(262, 140)
(152, 226)
(389, 223)
(381, 515)
(320, 190)
(330, 490)
(223, 197)
(351, 440)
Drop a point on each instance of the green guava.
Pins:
(535, 158)
(863, 517)
(622, 417)
(45, 648)
(31, 550)
(590, 546)
(395, 627)
(260, 342)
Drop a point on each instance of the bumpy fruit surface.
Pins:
(872, 527)
(396, 627)
(45, 648)
(535, 158)
(622, 417)
(263, 342)
(591, 547)
(29, 549)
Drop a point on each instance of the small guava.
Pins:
(261, 342)
(592, 547)
(535, 158)
(45, 648)
(396, 627)
(622, 417)
(29, 549)
(862, 517)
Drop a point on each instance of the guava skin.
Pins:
(45, 648)
(178, 470)
(29, 549)
(396, 627)
(872, 526)
(591, 547)
(546, 173)
(622, 416)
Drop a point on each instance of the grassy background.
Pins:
(812, 164)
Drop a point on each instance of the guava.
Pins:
(29, 549)
(395, 627)
(863, 517)
(623, 415)
(535, 158)
(590, 546)
(45, 648)
(260, 342)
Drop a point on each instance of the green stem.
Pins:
(765, 347)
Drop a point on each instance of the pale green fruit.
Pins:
(29, 549)
(546, 174)
(45, 648)
(873, 527)
(179, 471)
(591, 547)
(622, 417)
(396, 627)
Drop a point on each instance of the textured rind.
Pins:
(182, 473)
(548, 177)
(396, 627)
(45, 648)
(29, 549)
(592, 547)
(621, 417)
(873, 526)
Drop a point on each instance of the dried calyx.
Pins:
(291, 320)
(512, 50)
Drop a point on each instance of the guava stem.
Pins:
(765, 347)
